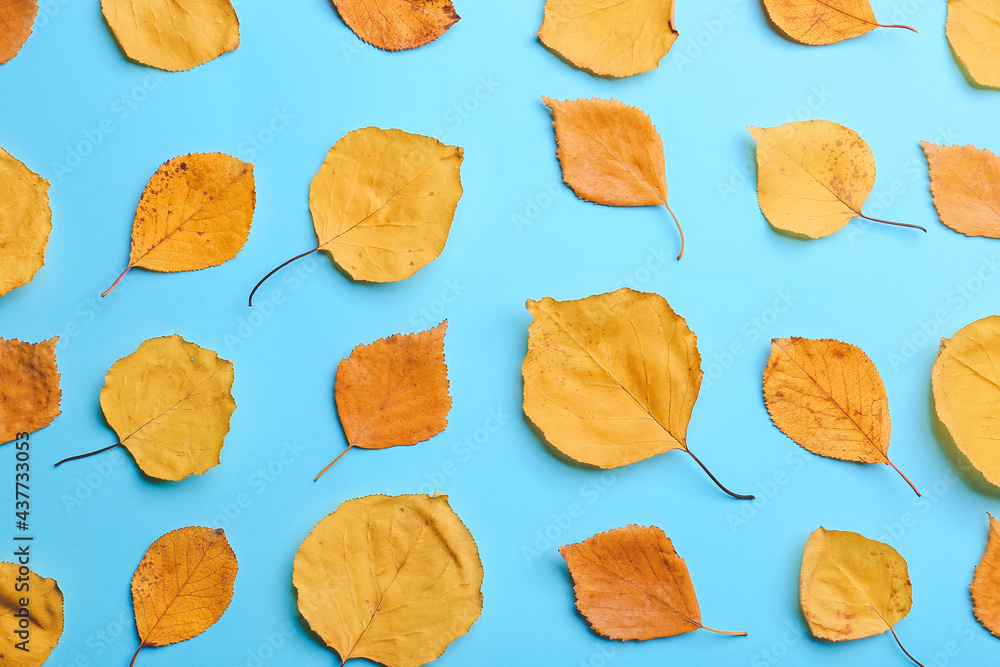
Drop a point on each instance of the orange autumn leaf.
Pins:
(819, 22)
(611, 154)
(195, 213)
(851, 587)
(829, 398)
(393, 392)
(813, 177)
(631, 584)
(610, 37)
(17, 17)
(182, 586)
(986, 583)
(973, 29)
(965, 183)
(173, 35)
(29, 387)
(395, 25)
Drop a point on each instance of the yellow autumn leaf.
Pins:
(612, 379)
(985, 587)
(28, 633)
(17, 17)
(611, 154)
(394, 579)
(610, 37)
(182, 586)
(819, 22)
(395, 25)
(173, 35)
(813, 176)
(965, 183)
(827, 396)
(25, 222)
(195, 213)
(383, 203)
(170, 403)
(966, 382)
(851, 587)
(973, 29)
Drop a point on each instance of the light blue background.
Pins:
(870, 285)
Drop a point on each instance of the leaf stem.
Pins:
(714, 479)
(897, 25)
(903, 476)
(83, 456)
(135, 655)
(678, 223)
(275, 270)
(725, 632)
(903, 648)
(889, 222)
(108, 291)
(349, 448)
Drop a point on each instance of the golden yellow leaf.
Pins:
(611, 379)
(818, 22)
(966, 381)
(39, 623)
(828, 397)
(394, 579)
(631, 584)
(986, 584)
(394, 25)
(965, 182)
(17, 17)
(393, 392)
(29, 387)
(852, 587)
(973, 29)
(610, 154)
(173, 35)
(195, 213)
(182, 586)
(25, 222)
(610, 37)
(169, 402)
(383, 203)
(813, 176)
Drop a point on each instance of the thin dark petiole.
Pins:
(275, 270)
(714, 479)
(83, 456)
(903, 648)
(890, 222)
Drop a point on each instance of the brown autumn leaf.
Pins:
(966, 382)
(612, 379)
(393, 392)
(395, 25)
(819, 22)
(610, 37)
(851, 587)
(394, 579)
(195, 213)
(813, 176)
(610, 154)
(383, 203)
(965, 183)
(173, 35)
(170, 403)
(29, 387)
(25, 222)
(28, 633)
(182, 586)
(973, 29)
(17, 17)
(631, 584)
(828, 397)
(986, 584)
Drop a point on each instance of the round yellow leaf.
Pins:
(25, 222)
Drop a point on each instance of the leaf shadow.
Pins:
(959, 461)
(551, 449)
(966, 73)
(312, 634)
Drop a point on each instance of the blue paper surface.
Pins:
(97, 126)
